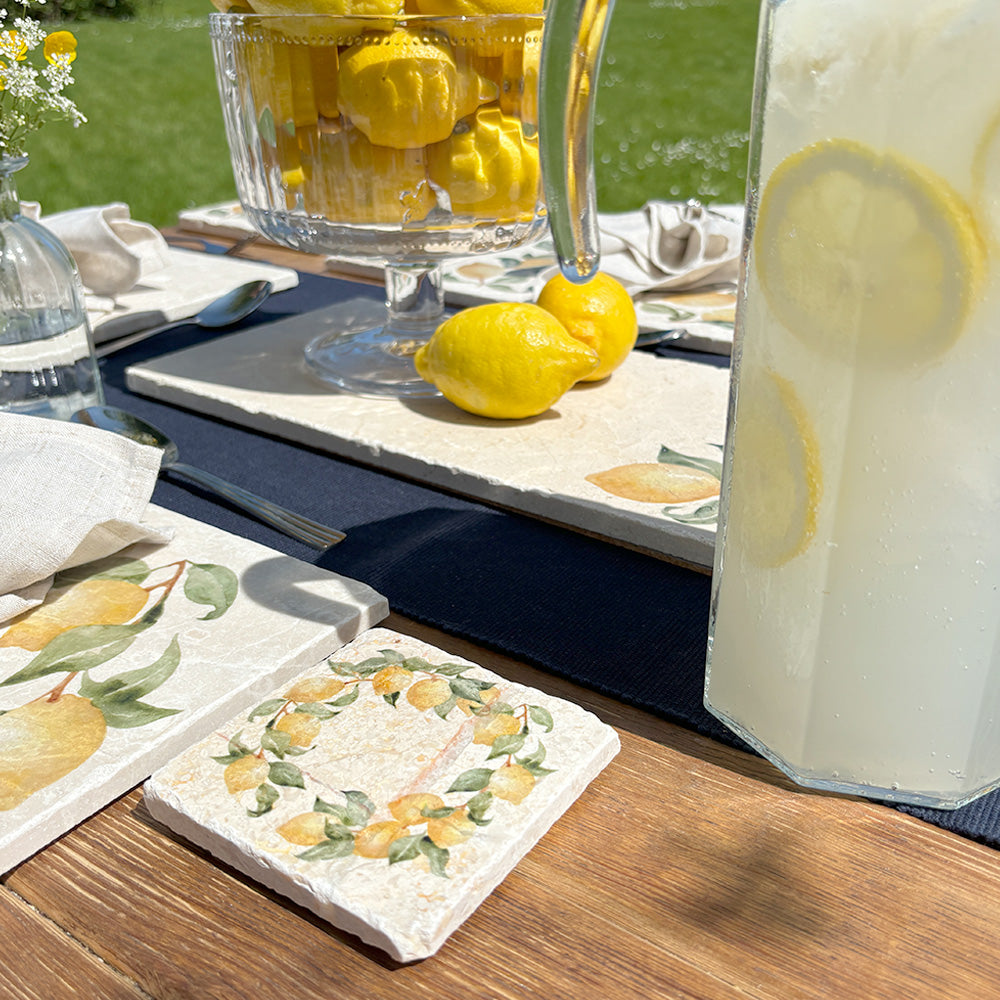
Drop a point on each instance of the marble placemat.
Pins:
(389, 790)
(133, 658)
(635, 459)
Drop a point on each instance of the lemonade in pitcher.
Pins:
(855, 625)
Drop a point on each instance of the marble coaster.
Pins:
(389, 789)
(133, 658)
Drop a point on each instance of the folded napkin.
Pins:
(69, 494)
(671, 246)
(112, 251)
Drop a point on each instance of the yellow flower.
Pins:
(60, 45)
(16, 45)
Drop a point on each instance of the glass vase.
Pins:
(47, 362)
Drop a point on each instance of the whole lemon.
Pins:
(506, 360)
(599, 312)
(404, 89)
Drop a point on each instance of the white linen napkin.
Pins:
(669, 246)
(69, 494)
(112, 251)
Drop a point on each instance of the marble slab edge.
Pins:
(690, 544)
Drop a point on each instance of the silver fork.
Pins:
(110, 418)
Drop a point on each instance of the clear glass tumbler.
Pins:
(855, 623)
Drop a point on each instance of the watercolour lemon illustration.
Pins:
(505, 360)
(43, 741)
(598, 312)
(676, 479)
(90, 602)
(91, 617)
(419, 823)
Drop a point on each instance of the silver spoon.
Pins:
(224, 311)
(110, 418)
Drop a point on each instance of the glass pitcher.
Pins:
(855, 619)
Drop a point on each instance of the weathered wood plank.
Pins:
(38, 961)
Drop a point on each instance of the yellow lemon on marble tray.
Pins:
(598, 312)
(504, 360)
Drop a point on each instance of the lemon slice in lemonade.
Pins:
(777, 478)
(865, 253)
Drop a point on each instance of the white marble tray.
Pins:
(665, 417)
(388, 790)
(189, 633)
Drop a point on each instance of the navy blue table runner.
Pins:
(617, 621)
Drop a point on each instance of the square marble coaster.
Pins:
(133, 658)
(389, 789)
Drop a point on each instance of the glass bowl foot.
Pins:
(376, 361)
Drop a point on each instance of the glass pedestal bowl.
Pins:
(404, 140)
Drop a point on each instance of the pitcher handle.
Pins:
(572, 44)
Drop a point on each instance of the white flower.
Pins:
(29, 96)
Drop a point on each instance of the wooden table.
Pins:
(686, 870)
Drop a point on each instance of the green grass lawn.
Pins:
(672, 115)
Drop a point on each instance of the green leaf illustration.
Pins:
(87, 661)
(266, 708)
(446, 706)
(504, 745)
(436, 856)
(336, 830)
(267, 795)
(361, 801)
(133, 684)
(343, 669)
(216, 586)
(468, 687)
(473, 780)
(478, 806)
(437, 813)
(316, 709)
(51, 657)
(541, 716)
(283, 773)
(405, 848)
(450, 669)
(348, 698)
(326, 850)
(534, 758)
(707, 513)
(391, 656)
(418, 663)
(335, 809)
(708, 465)
(276, 741)
(112, 568)
(132, 714)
